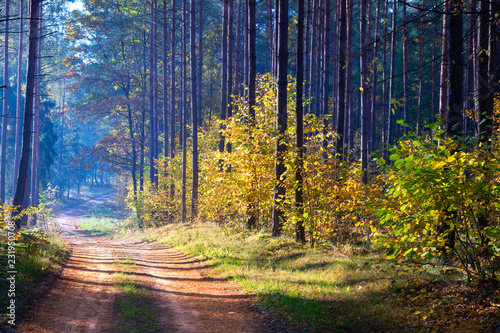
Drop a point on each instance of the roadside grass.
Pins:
(103, 226)
(333, 289)
(37, 258)
(133, 302)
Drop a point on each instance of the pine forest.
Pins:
(250, 166)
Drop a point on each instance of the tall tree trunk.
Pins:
(172, 96)
(392, 68)
(152, 97)
(307, 85)
(455, 101)
(384, 84)
(230, 63)
(349, 91)
(165, 83)
(364, 92)
(223, 91)
(35, 159)
(471, 70)
(17, 151)
(300, 233)
(184, 111)
(341, 82)
(5, 107)
(406, 92)
(246, 37)
(251, 210)
(194, 113)
(278, 215)
(28, 112)
(237, 80)
(313, 78)
(200, 62)
(420, 68)
(443, 78)
(270, 35)
(373, 107)
(485, 95)
(326, 71)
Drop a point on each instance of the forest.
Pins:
(354, 129)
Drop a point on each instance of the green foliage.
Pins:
(442, 198)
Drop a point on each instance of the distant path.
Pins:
(181, 294)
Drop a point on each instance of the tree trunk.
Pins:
(223, 91)
(374, 110)
(5, 107)
(349, 91)
(341, 83)
(184, 111)
(28, 112)
(152, 96)
(165, 83)
(200, 62)
(364, 93)
(194, 113)
(17, 151)
(172, 97)
(251, 210)
(35, 159)
(384, 84)
(278, 215)
(392, 68)
(485, 95)
(300, 233)
(443, 81)
(406, 92)
(326, 71)
(420, 69)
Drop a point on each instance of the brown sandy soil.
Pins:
(181, 294)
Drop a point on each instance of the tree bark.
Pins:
(223, 91)
(406, 92)
(194, 113)
(28, 112)
(5, 107)
(342, 77)
(390, 113)
(278, 215)
(420, 68)
(172, 96)
(184, 111)
(300, 233)
(17, 151)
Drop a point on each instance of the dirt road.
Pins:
(180, 292)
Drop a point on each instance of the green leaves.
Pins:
(434, 190)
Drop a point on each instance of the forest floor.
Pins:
(126, 285)
(119, 280)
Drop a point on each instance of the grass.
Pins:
(331, 289)
(102, 226)
(37, 257)
(133, 302)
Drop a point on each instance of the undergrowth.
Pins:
(326, 289)
(37, 257)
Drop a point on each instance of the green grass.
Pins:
(328, 289)
(37, 257)
(102, 226)
(136, 314)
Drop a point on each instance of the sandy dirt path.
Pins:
(182, 295)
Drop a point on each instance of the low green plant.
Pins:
(442, 201)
